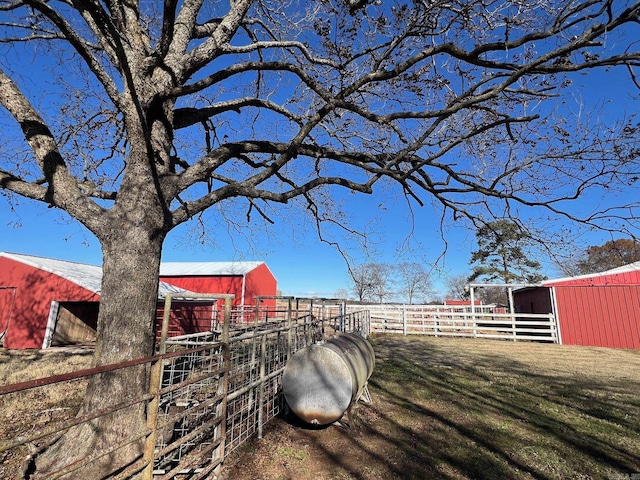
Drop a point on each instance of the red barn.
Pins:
(461, 303)
(601, 309)
(45, 302)
(246, 280)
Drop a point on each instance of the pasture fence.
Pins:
(211, 390)
(208, 391)
(461, 321)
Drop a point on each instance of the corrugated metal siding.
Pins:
(86, 276)
(206, 284)
(187, 317)
(623, 278)
(603, 316)
(37, 287)
(36, 290)
(260, 282)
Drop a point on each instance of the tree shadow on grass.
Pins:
(575, 424)
(452, 410)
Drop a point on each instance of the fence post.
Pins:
(289, 328)
(263, 354)
(404, 319)
(367, 320)
(226, 362)
(473, 313)
(310, 324)
(554, 311)
(155, 381)
(152, 418)
(166, 316)
(512, 312)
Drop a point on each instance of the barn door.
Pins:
(76, 323)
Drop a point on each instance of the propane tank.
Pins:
(320, 382)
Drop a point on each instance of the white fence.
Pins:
(453, 321)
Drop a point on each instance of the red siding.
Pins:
(36, 290)
(599, 311)
(603, 316)
(260, 282)
(624, 278)
(462, 302)
(187, 318)
(257, 282)
(205, 284)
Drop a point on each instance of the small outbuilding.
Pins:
(600, 309)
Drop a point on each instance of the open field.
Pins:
(442, 409)
(467, 408)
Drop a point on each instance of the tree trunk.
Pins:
(125, 331)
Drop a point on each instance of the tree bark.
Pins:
(130, 278)
(131, 234)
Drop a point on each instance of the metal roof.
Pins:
(82, 274)
(179, 269)
(631, 267)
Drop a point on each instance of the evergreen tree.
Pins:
(502, 255)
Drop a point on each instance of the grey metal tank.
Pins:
(320, 382)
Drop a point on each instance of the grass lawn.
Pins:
(448, 408)
(443, 408)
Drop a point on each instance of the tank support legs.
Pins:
(366, 396)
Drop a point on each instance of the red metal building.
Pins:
(46, 302)
(246, 280)
(601, 309)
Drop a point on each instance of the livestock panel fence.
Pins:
(461, 321)
(208, 391)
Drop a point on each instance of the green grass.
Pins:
(452, 409)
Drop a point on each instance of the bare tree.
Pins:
(457, 287)
(143, 115)
(371, 282)
(414, 281)
(361, 277)
(382, 282)
(341, 293)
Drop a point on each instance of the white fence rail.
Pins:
(446, 321)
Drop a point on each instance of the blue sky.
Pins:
(303, 265)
